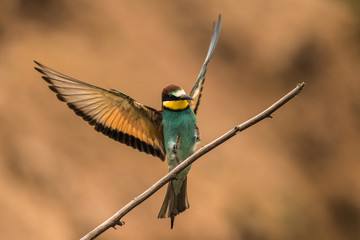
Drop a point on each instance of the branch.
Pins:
(115, 219)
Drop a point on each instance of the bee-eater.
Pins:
(170, 133)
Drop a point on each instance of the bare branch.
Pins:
(115, 219)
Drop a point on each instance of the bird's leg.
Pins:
(197, 137)
(176, 147)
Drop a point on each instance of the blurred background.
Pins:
(296, 176)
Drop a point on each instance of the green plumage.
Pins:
(184, 123)
(178, 123)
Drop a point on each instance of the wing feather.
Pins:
(112, 113)
(198, 86)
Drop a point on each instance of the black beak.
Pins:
(186, 97)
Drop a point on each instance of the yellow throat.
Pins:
(176, 105)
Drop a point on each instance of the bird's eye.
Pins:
(170, 96)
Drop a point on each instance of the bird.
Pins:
(170, 134)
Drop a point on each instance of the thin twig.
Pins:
(115, 219)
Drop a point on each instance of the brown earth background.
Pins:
(296, 176)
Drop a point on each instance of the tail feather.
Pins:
(174, 204)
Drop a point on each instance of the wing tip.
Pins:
(39, 64)
(39, 70)
(36, 62)
(47, 79)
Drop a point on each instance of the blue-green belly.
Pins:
(175, 122)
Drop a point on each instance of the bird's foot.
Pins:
(197, 137)
(177, 144)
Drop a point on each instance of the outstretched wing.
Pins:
(198, 87)
(113, 113)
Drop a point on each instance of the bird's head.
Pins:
(175, 98)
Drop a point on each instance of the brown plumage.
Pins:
(112, 113)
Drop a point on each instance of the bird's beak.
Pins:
(186, 97)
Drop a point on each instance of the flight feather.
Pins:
(198, 86)
(112, 112)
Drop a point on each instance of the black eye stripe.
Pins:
(170, 97)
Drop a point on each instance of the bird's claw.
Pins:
(176, 146)
(197, 138)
